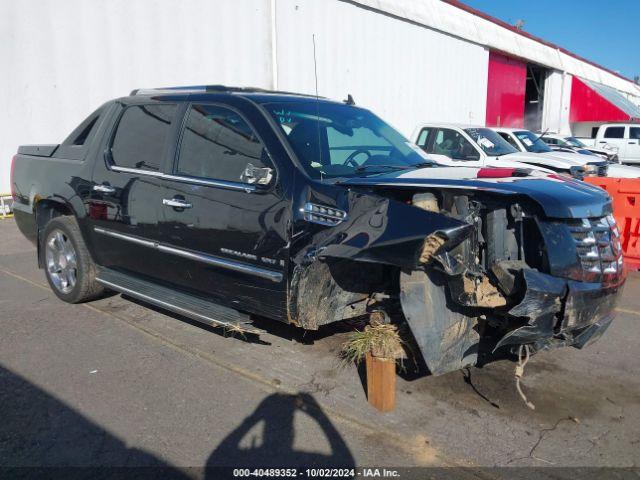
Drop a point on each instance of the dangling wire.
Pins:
(520, 373)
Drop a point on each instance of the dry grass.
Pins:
(234, 330)
(382, 340)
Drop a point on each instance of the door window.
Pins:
(139, 141)
(510, 139)
(218, 144)
(422, 138)
(614, 132)
(634, 133)
(85, 130)
(453, 145)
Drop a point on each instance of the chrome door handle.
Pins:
(104, 188)
(176, 203)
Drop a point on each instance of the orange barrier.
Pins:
(625, 194)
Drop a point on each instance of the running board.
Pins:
(190, 306)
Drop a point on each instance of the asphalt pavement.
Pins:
(116, 383)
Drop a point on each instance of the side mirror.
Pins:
(257, 175)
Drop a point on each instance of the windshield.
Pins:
(490, 142)
(334, 140)
(575, 142)
(532, 142)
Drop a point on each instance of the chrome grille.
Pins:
(598, 245)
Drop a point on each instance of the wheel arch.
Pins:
(46, 210)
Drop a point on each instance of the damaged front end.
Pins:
(525, 280)
(474, 272)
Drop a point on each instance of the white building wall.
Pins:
(62, 59)
(405, 73)
(408, 60)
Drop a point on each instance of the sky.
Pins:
(606, 32)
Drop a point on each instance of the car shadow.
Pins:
(41, 436)
(39, 432)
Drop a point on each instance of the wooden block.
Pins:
(381, 382)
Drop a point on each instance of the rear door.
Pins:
(224, 214)
(633, 145)
(127, 189)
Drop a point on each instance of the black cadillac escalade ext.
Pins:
(218, 202)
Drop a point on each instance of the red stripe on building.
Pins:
(587, 105)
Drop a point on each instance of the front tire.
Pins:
(68, 266)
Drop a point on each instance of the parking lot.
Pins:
(115, 382)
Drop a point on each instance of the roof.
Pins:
(259, 95)
(203, 89)
(554, 135)
(449, 125)
(614, 97)
(497, 21)
(508, 129)
(457, 19)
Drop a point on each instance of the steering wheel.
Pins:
(351, 158)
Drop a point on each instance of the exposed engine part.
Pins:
(483, 292)
(425, 201)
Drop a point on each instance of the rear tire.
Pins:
(68, 266)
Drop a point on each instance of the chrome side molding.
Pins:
(271, 275)
(245, 187)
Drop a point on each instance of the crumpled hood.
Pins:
(504, 161)
(557, 197)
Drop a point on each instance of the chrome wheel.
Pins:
(61, 261)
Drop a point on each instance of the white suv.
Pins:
(624, 136)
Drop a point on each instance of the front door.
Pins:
(126, 191)
(224, 216)
(615, 135)
(451, 144)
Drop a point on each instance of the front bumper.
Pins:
(555, 312)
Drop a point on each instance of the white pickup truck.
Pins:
(624, 136)
(464, 145)
(527, 141)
